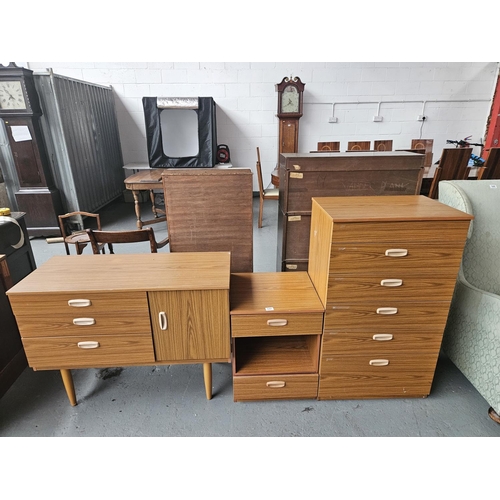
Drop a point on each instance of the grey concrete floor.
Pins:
(169, 401)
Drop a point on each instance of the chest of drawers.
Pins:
(92, 311)
(276, 327)
(385, 270)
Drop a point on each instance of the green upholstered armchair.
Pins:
(472, 335)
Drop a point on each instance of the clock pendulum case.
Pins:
(20, 110)
(290, 92)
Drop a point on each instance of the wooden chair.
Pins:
(69, 225)
(98, 238)
(453, 165)
(426, 144)
(491, 167)
(358, 146)
(264, 194)
(382, 145)
(329, 146)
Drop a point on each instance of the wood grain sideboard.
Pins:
(304, 176)
(385, 270)
(93, 311)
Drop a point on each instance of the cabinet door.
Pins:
(190, 325)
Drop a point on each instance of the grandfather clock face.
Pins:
(290, 100)
(11, 95)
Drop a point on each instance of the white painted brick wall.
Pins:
(246, 101)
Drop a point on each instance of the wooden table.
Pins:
(146, 180)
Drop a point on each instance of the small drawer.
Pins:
(261, 325)
(422, 231)
(387, 316)
(403, 285)
(102, 324)
(258, 388)
(78, 304)
(422, 259)
(366, 377)
(55, 353)
(380, 344)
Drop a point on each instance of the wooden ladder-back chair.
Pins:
(110, 237)
(453, 165)
(264, 194)
(491, 167)
(70, 225)
(358, 145)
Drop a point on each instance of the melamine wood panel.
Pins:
(258, 388)
(276, 355)
(410, 316)
(197, 324)
(276, 324)
(352, 377)
(377, 345)
(55, 353)
(351, 288)
(438, 259)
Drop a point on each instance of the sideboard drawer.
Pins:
(90, 351)
(73, 324)
(260, 325)
(79, 303)
(256, 388)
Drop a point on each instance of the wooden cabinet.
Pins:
(122, 310)
(304, 176)
(385, 270)
(276, 326)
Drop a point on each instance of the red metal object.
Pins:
(493, 125)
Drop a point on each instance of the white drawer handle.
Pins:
(383, 337)
(277, 322)
(84, 321)
(79, 302)
(379, 362)
(162, 318)
(387, 310)
(89, 344)
(276, 384)
(391, 282)
(396, 252)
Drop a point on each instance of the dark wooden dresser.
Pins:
(302, 176)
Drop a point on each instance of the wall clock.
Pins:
(290, 92)
(20, 110)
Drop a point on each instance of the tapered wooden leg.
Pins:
(68, 385)
(207, 377)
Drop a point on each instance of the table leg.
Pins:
(137, 208)
(68, 385)
(207, 377)
(153, 205)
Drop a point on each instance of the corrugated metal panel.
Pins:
(81, 132)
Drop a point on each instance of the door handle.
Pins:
(396, 252)
(391, 282)
(162, 318)
(84, 321)
(387, 310)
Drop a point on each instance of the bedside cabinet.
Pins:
(276, 327)
(385, 270)
(96, 311)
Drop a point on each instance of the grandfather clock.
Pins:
(290, 92)
(20, 110)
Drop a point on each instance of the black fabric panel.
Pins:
(207, 136)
